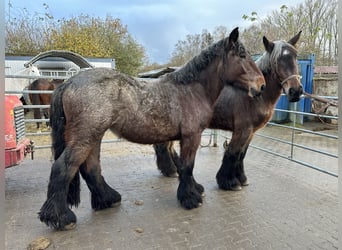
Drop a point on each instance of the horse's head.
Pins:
(284, 55)
(239, 68)
(33, 71)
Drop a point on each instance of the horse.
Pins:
(236, 112)
(19, 84)
(177, 106)
(42, 98)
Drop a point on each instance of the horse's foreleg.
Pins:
(189, 192)
(231, 174)
(55, 211)
(167, 159)
(102, 195)
(240, 173)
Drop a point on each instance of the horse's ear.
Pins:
(295, 39)
(268, 44)
(233, 37)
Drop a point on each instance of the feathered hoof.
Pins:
(233, 185)
(190, 204)
(110, 198)
(57, 217)
(189, 199)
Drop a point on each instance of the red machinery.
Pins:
(17, 146)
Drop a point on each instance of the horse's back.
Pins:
(103, 98)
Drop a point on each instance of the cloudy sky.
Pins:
(159, 24)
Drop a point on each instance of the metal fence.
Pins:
(300, 143)
(316, 150)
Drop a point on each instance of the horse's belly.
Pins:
(145, 131)
(146, 135)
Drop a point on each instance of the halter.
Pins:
(290, 77)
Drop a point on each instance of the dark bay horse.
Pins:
(177, 106)
(237, 112)
(42, 98)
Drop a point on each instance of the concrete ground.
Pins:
(286, 205)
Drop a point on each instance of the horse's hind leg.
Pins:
(167, 159)
(231, 173)
(102, 195)
(46, 116)
(55, 211)
(37, 115)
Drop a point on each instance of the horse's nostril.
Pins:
(301, 90)
(255, 92)
(262, 88)
(291, 91)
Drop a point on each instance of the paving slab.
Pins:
(286, 206)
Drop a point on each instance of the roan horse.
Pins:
(177, 106)
(237, 112)
(42, 98)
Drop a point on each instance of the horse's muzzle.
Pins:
(257, 92)
(294, 94)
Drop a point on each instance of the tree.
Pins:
(26, 33)
(88, 36)
(185, 50)
(94, 37)
(316, 18)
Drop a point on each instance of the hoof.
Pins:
(199, 188)
(70, 226)
(57, 217)
(233, 184)
(236, 188)
(190, 204)
(246, 183)
(243, 179)
(116, 204)
(108, 199)
(170, 173)
(174, 175)
(189, 199)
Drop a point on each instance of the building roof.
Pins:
(71, 56)
(326, 69)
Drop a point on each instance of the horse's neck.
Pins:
(212, 85)
(273, 89)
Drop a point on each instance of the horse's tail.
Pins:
(57, 123)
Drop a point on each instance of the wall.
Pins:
(326, 85)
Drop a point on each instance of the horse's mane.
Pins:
(268, 62)
(192, 69)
